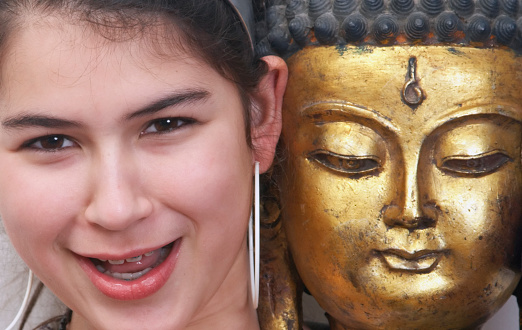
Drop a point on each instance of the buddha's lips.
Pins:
(422, 261)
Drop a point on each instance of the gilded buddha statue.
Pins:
(400, 179)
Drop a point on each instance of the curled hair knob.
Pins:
(432, 7)
(299, 27)
(447, 26)
(343, 8)
(385, 28)
(326, 28)
(490, 8)
(479, 28)
(510, 7)
(355, 27)
(417, 27)
(317, 8)
(463, 8)
(294, 8)
(402, 7)
(505, 29)
(371, 8)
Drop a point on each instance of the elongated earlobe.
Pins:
(266, 123)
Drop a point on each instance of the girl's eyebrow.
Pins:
(26, 120)
(178, 98)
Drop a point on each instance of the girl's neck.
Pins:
(231, 307)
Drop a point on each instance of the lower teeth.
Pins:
(126, 276)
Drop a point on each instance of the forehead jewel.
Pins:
(245, 12)
(290, 25)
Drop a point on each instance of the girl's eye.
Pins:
(166, 125)
(50, 143)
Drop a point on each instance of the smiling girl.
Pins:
(128, 136)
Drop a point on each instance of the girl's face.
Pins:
(119, 163)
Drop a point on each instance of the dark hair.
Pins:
(289, 26)
(210, 30)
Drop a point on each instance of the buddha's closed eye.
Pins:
(346, 164)
(475, 165)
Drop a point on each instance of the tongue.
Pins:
(133, 267)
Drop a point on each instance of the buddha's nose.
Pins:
(408, 209)
(396, 216)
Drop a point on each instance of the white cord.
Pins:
(24, 302)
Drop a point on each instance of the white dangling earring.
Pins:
(253, 243)
(24, 302)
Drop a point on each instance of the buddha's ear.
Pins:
(266, 112)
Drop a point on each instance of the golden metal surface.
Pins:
(280, 288)
(404, 212)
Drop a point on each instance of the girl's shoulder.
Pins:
(56, 323)
(51, 324)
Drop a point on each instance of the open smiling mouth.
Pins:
(133, 268)
(423, 261)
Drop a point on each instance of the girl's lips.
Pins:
(145, 285)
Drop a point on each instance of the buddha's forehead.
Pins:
(455, 82)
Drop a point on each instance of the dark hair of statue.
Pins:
(289, 26)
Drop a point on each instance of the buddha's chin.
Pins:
(409, 314)
(405, 300)
(414, 321)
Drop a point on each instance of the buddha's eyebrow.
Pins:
(26, 120)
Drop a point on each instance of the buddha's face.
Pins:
(404, 215)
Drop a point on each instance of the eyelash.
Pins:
(475, 166)
(33, 143)
(161, 126)
(180, 122)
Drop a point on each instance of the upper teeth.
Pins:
(133, 259)
(163, 253)
(116, 262)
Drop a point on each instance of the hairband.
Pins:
(245, 13)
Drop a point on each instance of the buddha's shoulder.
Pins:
(316, 326)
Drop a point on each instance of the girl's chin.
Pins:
(138, 320)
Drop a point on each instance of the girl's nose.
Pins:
(117, 199)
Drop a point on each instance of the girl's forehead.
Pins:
(71, 71)
(54, 36)
(65, 53)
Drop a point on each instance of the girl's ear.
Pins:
(266, 117)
